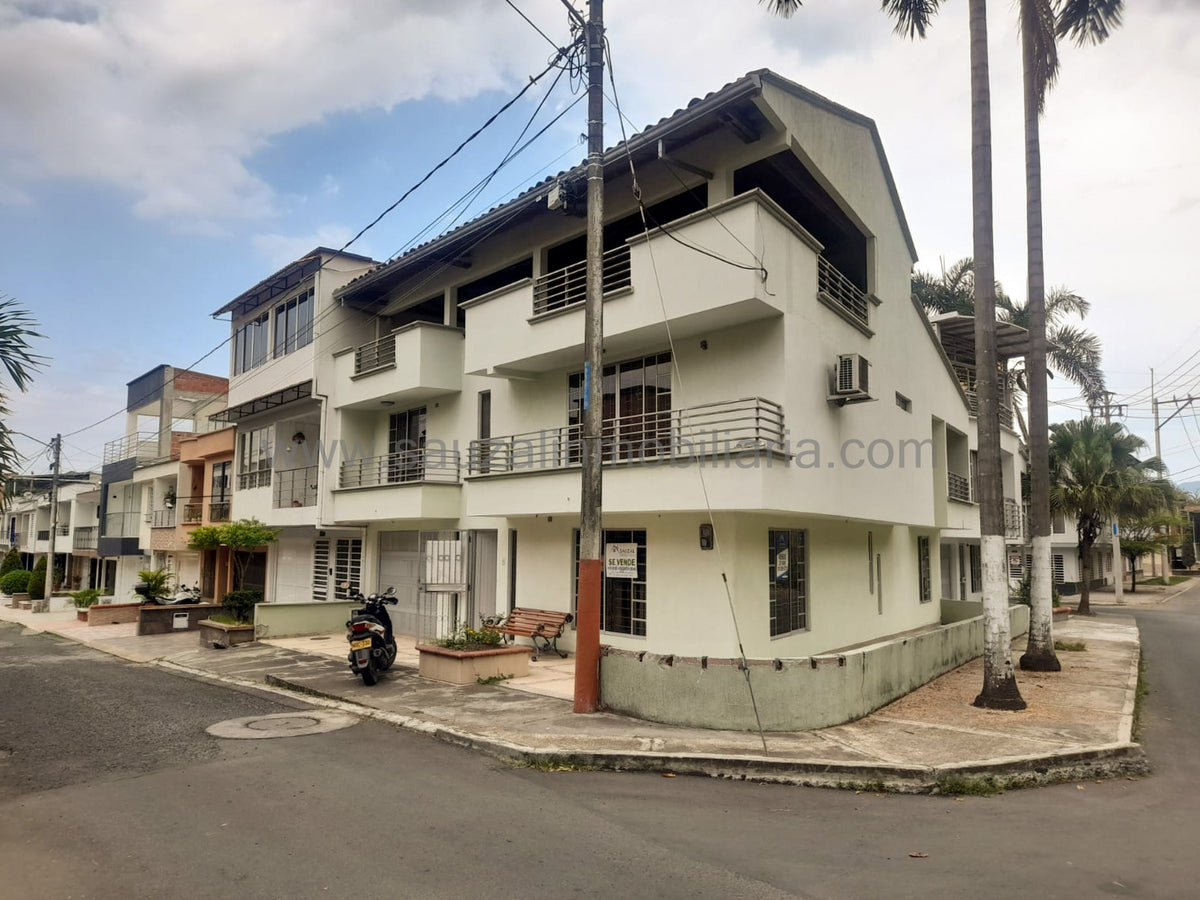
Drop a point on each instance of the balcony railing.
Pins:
(568, 286)
(256, 479)
(1014, 520)
(142, 446)
(64, 530)
(842, 291)
(731, 428)
(219, 510)
(296, 487)
(428, 465)
(1006, 413)
(163, 518)
(121, 524)
(192, 512)
(86, 538)
(958, 487)
(375, 355)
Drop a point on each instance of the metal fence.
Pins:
(568, 286)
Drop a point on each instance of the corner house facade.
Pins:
(766, 373)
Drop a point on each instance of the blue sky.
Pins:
(157, 157)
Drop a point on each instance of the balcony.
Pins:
(295, 488)
(86, 538)
(64, 530)
(192, 513)
(121, 525)
(438, 466)
(163, 518)
(567, 287)
(841, 294)
(958, 487)
(536, 326)
(716, 429)
(412, 364)
(218, 511)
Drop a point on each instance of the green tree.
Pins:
(1148, 534)
(1095, 476)
(37, 581)
(1043, 22)
(17, 328)
(12, 562)
(913, 18)
(242, 538)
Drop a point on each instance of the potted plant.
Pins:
(85, 600)
(157, 581)
(471, 655)
(234, 624)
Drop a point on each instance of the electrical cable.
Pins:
(561, 50)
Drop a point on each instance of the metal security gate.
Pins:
(458, 581)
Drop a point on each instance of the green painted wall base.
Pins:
(277, 620)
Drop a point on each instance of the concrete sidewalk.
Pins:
(1078, 722)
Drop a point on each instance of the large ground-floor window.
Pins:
(622, 600)
(787, 567)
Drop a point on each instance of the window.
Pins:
(254, 458)
(1056, 568)
(406, 446)
(787, 568)
(250, 345)
(622, 600)
(977, 569)
(220, 480)
(294, 323)
(635, 404)
(923, 576)
(485, 431)
(903, 402)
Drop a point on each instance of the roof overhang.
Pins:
(286, 279)
(266, 402)
(957, 333)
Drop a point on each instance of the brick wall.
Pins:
(187, 381)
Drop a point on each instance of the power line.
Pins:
(535, 27)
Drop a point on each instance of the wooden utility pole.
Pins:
(57, 444)
(591, 565)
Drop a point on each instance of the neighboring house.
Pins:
(141, 473)
(280, 327)
(205, 497)
(27, 520)
(744, 335)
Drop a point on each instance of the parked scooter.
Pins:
(182, 596)
(372, 644)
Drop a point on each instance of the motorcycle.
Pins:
(184, 595)
(369, 631)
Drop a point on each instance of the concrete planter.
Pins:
(471, 666)
(81, 615)
(217, 634)
(15, 601)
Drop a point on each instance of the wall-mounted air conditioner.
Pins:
(850, 379)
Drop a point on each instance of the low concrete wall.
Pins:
(113, 613)
(157, 619)
(960, 610)
(791, 694)
(276, 620)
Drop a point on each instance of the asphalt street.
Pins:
(111, 788)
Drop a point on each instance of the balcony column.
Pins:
(450, 307)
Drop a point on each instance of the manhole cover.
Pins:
(291, 724)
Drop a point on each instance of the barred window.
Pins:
(787, 568)
(923, 575)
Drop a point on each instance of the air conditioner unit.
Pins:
(851, 375)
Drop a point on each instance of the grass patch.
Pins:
(866, 787)
(1169, 580)
(969, 786)
(553, 763)
(493, 679)
(1143, 688)
(226, 619)
(1071, 646)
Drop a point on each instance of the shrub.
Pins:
(15, 582)
(240, 604)
(84, 599)
(37, 581)
(12, 562)
(1020, 594)
(467, 638)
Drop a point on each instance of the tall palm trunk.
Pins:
(1039, 652)
(1085, 576)
(999, 681)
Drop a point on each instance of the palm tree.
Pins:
(19, 360)
(1095, 476)
(1072, 352)
(912, 20)
(1043, 22)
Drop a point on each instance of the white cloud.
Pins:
(279, 249)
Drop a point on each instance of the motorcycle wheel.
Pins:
(370, 674)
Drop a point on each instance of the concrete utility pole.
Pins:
(57, 444)
(1118, 560)
(591, 565)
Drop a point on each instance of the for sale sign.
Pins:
(620, 560)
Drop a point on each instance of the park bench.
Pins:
(544, 624)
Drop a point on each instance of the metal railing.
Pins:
(732, 428)
(958, 487)
(193, 511)
(43, 534)
(86, 538)
(141, 446)
(568, 286)
(1006, 413)
(163, 518)
(429, 464)
(256, 479)
(64, 530)
(375, 355)
(219, 511)
(295, 487)
(121, 524)
(1014, 520)
(842, 291)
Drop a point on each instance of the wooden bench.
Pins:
(544, 624)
